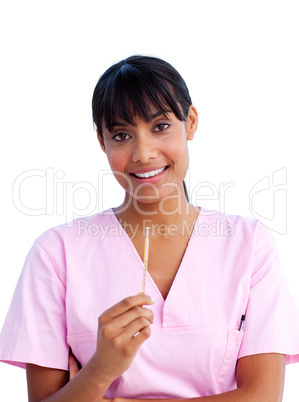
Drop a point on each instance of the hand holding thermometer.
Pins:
(145, 258)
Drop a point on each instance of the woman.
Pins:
(217, 321)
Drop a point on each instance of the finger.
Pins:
(133, 314)
(134, 328)
(117, 326)
(73, 366)
(124, 305)
(140, 337)
(132, 345)
(133, 336)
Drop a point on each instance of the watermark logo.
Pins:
(64, 198)
(268, 201)
(56, 196)
(217, 228)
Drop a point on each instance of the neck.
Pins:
(172, 211)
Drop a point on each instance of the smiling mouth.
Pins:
(152, 173)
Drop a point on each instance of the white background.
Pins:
(240, 61)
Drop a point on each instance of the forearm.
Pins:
(84, 386)
(237, 395)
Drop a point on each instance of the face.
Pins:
(150, 160)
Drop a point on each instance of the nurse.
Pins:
(217, 321)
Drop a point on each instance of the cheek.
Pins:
(118, 163)
(117, 160)
(178, 151)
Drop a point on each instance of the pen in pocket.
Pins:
(242, 322)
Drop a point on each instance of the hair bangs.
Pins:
(129, 91)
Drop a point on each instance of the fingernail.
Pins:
(152, 299)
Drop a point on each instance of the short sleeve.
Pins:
(272, 318)
(35, 327)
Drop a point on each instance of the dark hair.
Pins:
(132, 87)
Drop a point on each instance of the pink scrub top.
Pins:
(74, 272)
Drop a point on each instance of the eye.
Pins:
(161, 127)
(121, 137)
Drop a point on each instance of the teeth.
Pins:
(149, 174)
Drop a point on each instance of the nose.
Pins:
(144, 148)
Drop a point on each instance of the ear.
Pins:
(192, 122)
(101, 141)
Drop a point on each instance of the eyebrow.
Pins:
(161, 112)
(152, 117)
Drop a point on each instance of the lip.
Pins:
(149, 180)
(149, 169)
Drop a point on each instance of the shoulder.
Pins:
(62, 250)
(236, 231)
(225, 224)
(69, 241)
(75, 231)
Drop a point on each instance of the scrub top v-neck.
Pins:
(75, 272)
(151, 286)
